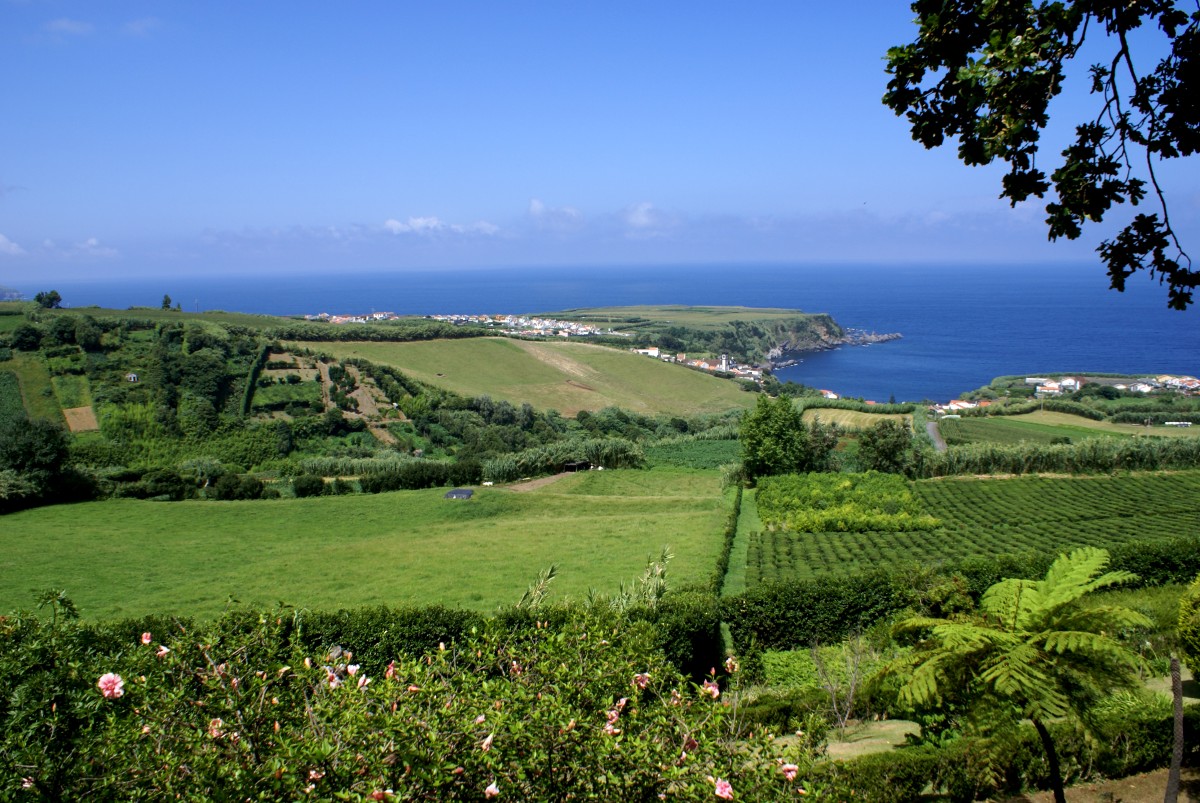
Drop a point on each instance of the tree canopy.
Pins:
(1033, 652)
(985, 71)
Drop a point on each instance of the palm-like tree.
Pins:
(1031, 652)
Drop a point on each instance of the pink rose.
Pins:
(724, 790)
(492, 790)
(710, 688)
(111, 685)
(789, 771)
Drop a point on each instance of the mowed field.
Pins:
(123, 558)
(567, 377)
(1043, 426)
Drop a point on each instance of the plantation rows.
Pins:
(988, 517)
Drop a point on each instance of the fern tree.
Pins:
(1031, 652)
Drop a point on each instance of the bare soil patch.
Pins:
(533, 485)
(580, 385)
(81, 419)
(1143, 788)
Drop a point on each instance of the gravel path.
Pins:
(934, 435)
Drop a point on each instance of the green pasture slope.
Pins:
(125, 557)
(552, 375)
(1045, 427)
(991, 516)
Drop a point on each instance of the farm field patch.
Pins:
(567, 377)
(123, 558)
(851, 419)
(994, 516)
(1044, 426)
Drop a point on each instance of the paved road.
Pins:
(934, 435)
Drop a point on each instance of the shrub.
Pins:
(1189, 627)
(308, 485)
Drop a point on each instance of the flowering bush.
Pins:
(587, 708)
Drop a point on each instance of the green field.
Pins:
(567, 377)
(1044, 427)
(674, 315)
(851, 419)
(36, 387)
(11, 405)
(125, 557)
(993, 516)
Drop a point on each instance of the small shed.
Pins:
(131, 377)
(460, 493)
(578, 465)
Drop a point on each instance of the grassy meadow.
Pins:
(37, 391)
(122, 558)
(853, 420)
(567, 377)
(674, 315)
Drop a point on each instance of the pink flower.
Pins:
(789, 771)
(146, 638)
(710, 688)
(163, 649)
(731, 665)
(390, 672)
(492, 790)
(352, 670)
(363, 681)
(479, 720)
(214, 728)
(724, 789)
(487, 743)
(641, 679)
(27, 783)
(676, 697)
(516, 668)
(111, 685)
(332, 678)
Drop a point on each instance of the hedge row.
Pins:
(826, 609)
(718, 578)
(1091, 456)
(1128, 744)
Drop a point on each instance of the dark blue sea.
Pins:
(961, 326)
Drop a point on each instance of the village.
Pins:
(1047, 388)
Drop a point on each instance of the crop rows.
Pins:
(987, 517)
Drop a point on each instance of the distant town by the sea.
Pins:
(961, 326)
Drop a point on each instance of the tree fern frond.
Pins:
(1006, 600)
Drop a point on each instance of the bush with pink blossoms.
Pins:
(237, 710)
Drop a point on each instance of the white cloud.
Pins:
(140, 27)
(561, 218)
(433, 225)
(645, 220)
(9, 248)
(69, 27)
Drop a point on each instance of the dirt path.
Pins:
(1144, 788)
(533, 485)
(935, 435)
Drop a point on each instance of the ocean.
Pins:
(961, 326)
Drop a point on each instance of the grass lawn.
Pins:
(567, 377)
(1042, 427)
(126, 557)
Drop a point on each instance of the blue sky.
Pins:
(226, 137)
